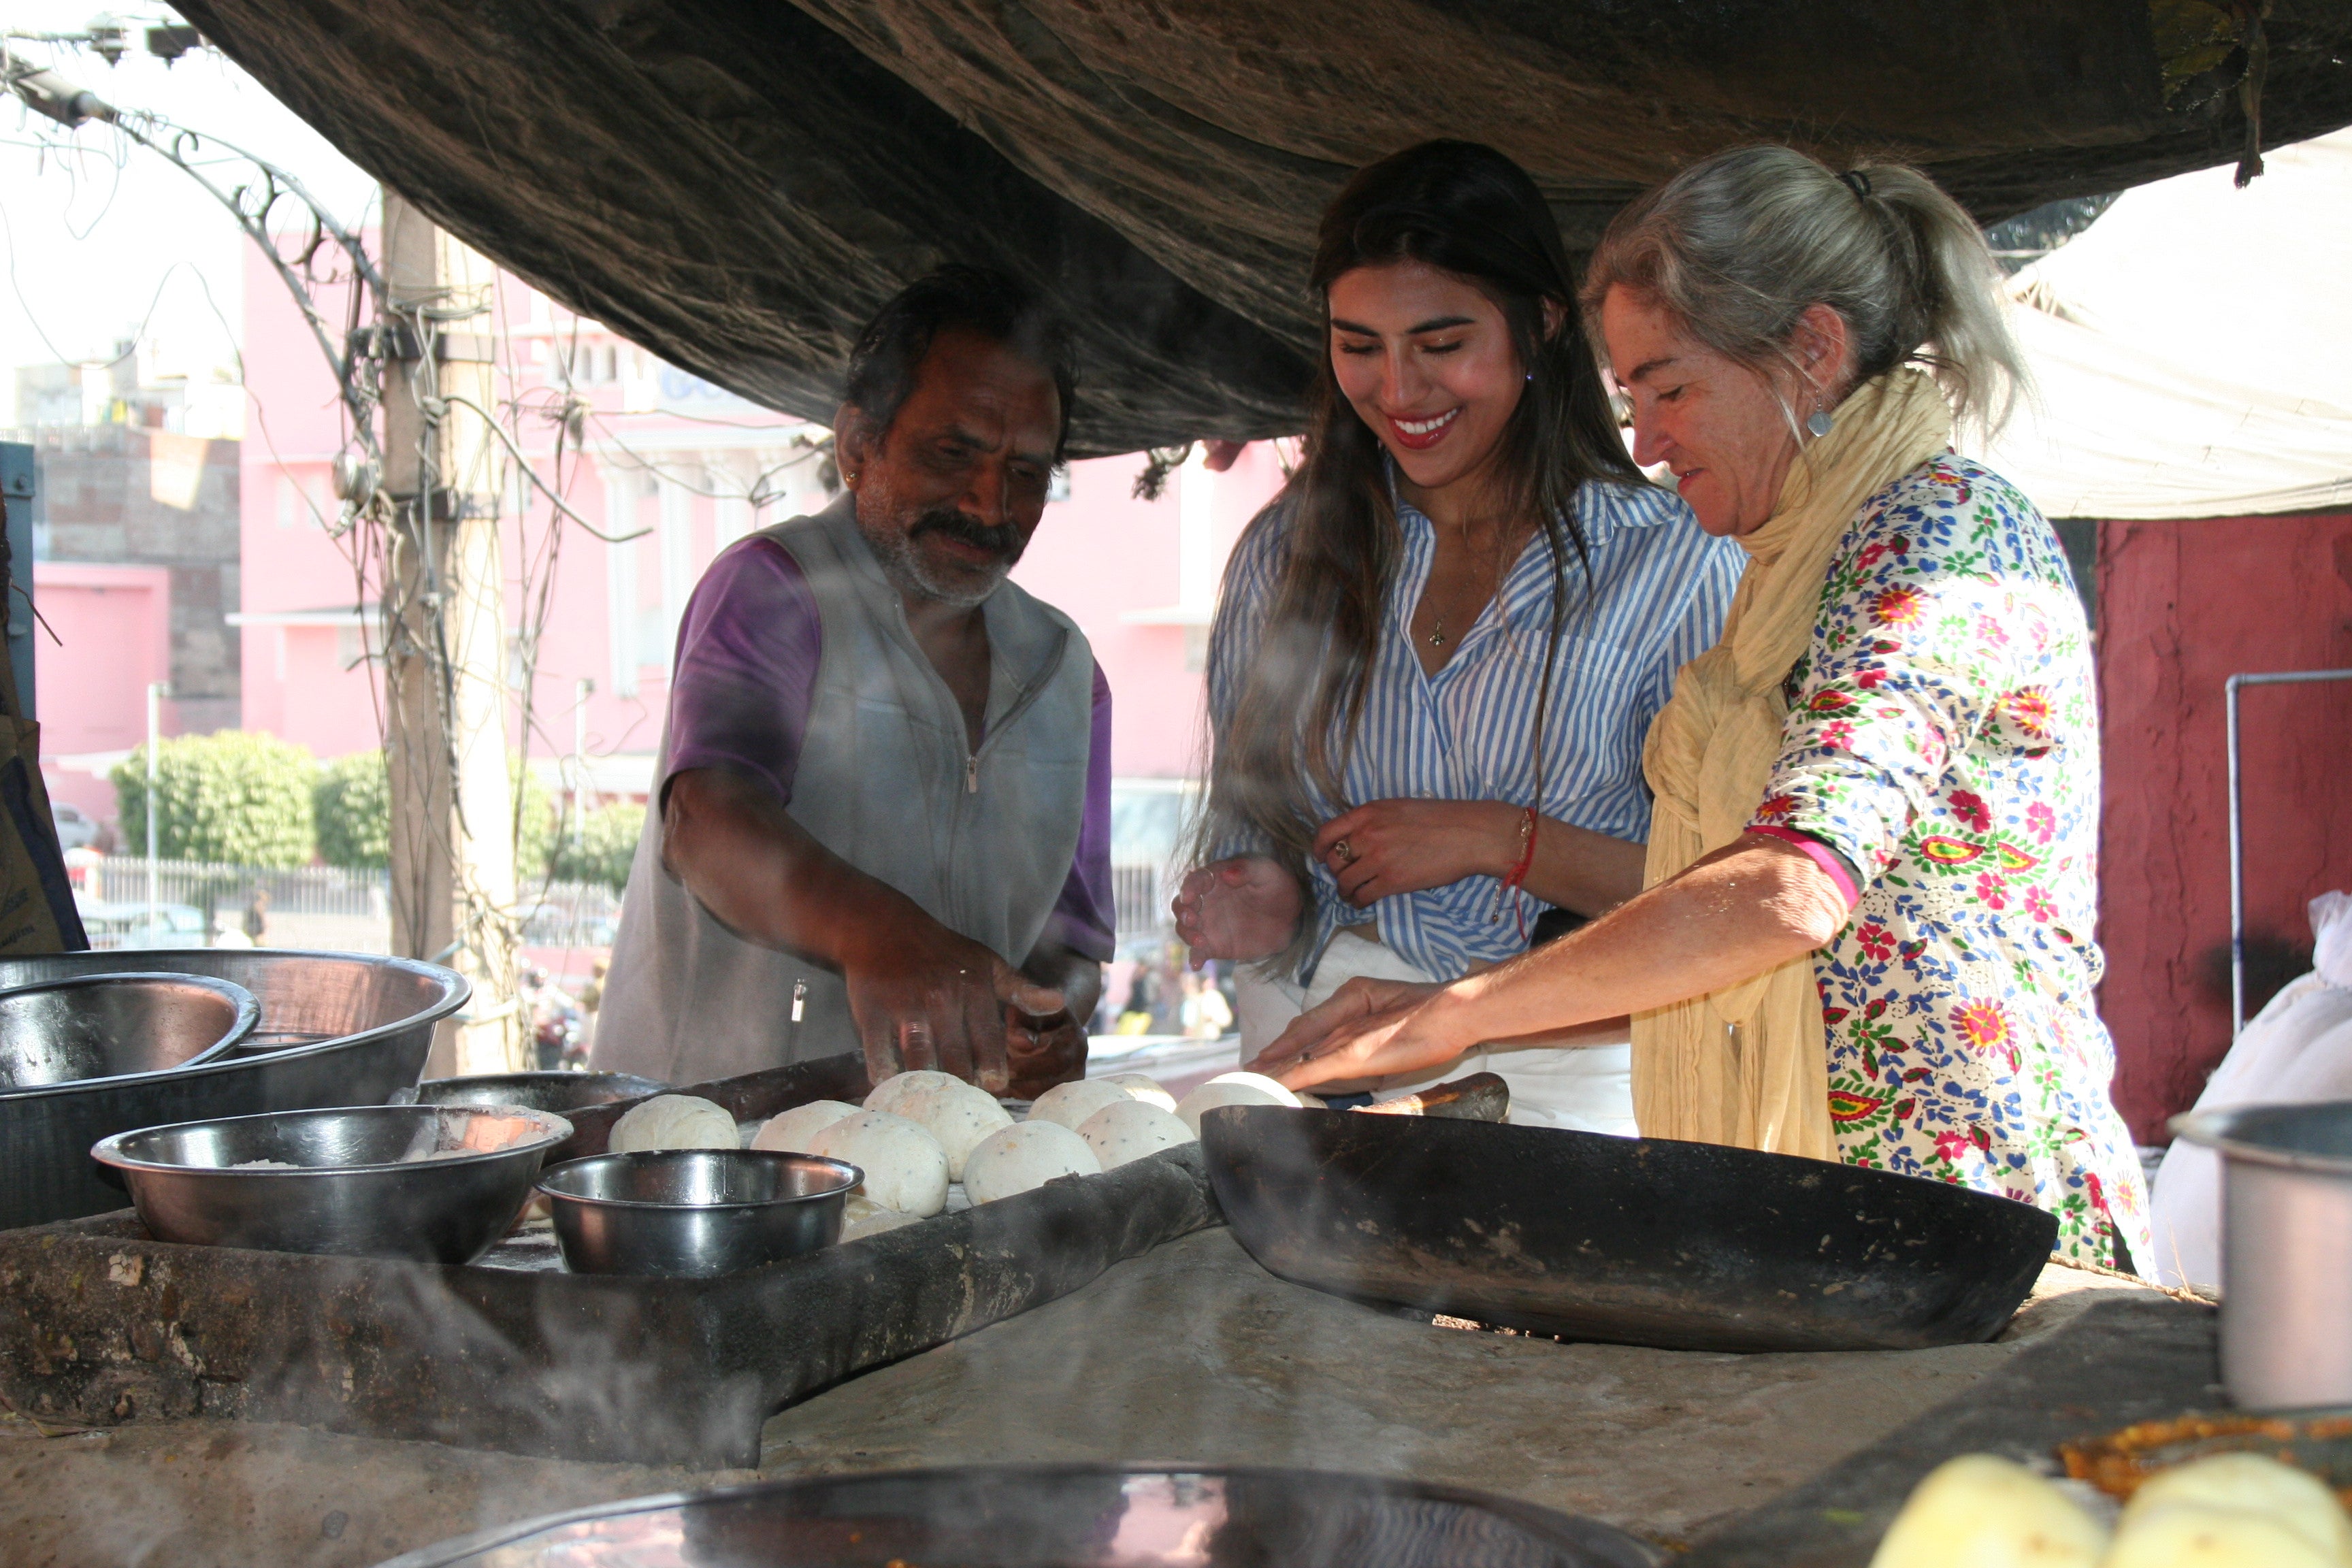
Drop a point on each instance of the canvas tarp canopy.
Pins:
(738, 185)
(2193, 349)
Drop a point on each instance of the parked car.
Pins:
(176, 925)
(76, 828)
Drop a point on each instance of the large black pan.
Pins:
(1639, 1241)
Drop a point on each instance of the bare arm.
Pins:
(921, 995)
(1405, 845)
(1751, 906)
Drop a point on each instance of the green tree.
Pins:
(235, 798)
(537, 823)
(352, 802)
(608, 841)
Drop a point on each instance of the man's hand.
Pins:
(1044, 1052)
(1368, 1029)
(1389, 847)
(925, 997)
(1244, 909)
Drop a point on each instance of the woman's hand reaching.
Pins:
(1388, 847)
(1244, 909)
(1368, 1029)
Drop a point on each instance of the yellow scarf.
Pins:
(1748, 1065)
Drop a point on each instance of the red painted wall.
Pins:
(2182, 606)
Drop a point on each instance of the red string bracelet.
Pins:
(1518, 874)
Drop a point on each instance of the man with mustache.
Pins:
(884, 791)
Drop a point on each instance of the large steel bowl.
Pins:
(438, 1184)
(105, 1028)
(556, 1092)
(1056, 1516)
(337, 1028)
(694, 1212)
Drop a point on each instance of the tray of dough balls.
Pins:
(925, 1146)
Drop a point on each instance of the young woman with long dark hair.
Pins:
(1436, 654)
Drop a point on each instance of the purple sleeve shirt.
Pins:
(745, 681)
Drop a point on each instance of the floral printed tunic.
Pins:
(1942, 736)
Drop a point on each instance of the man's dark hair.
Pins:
(889, 351)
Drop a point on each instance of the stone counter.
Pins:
(1191, 1353)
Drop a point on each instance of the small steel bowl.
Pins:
(694, 1212)
(102, 1027)
(556, 1092)
(438, 1184)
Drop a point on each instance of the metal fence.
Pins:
(1137, 897)
(309, 906)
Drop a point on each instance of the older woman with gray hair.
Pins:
(1866, 929)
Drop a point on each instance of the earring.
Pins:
(1818, 422)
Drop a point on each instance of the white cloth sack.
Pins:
(1585, 1088)
(2297, 1051)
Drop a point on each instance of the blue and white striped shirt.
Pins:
(1465, 734)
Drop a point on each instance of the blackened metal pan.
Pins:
(1637, 1241)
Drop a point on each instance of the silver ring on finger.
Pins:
(1345, 851)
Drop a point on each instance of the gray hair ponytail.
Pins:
(1742, 243)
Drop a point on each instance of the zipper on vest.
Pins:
(971, 773)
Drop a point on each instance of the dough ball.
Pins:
(1025, 1155)
(1217, 1091)
(2200, 1535)
(1071, 1103)
(1979, 1510)
(1129, 1130)
(959, 1116)
(673, 1122)
(905, 1167)
(1257, 1080)
(789, 1133)
(2252, 1483)
(891, 1090)
(862, 1217)
(1142, 1087)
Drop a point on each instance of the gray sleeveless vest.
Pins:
(887, 780)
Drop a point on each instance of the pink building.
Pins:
(696, 467)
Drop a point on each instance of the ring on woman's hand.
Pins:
(1346, 854)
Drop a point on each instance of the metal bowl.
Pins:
(556, 1092)
(1056, 1515)
(108, 1027)
(2286, 1249)
(438, 1184)
(337, 1028)
(694, 1212)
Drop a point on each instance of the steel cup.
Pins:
(694, 1212)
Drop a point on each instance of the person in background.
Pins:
(256, 918)
(886, 770)
(1435, 655)
(1204, 1015)
(591, 997)
(1872, 870)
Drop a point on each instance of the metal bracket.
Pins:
(396, 341)
(451, 506)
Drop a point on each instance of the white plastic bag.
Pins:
(2298, 1050)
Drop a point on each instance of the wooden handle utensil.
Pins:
(1481, 1097)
